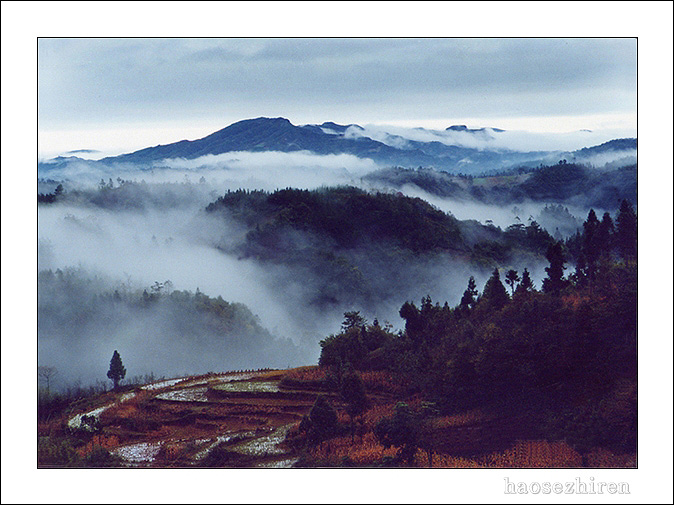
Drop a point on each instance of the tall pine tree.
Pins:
(117, 371)
(555, 281)
(626, 233)
(494, 292)
(591, 247)
(526, 285)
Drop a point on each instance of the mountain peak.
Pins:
(464, 128)
(265, 120)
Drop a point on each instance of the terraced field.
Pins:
(241, 420)
(230, 420)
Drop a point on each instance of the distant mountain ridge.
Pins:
(279, 134)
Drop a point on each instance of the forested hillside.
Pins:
(566, 183)
(161, 330)
(348, 241)
(560, 357)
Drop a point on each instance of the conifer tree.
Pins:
(591, 246)
(526, 285)
(580, 274)
(626, 233)
(494, 292)
(117, 371)
(605, 234)
(322, 418)
(511, 279)
(400, 430)
(469, 295)
(353, 393)
(555, 281)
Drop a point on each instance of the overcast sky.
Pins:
(62, 110)
(118, 94)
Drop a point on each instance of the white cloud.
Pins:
(489, 138)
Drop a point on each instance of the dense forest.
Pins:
(561, 183)
(559, 359)
(549, 358)
(349, 240)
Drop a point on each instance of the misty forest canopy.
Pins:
(360, 238)
(345, 217)
(569, 183)
(562, 355)
(350, 240)
(348, 218)
(157, 329)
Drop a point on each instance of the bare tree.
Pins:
(46, 374)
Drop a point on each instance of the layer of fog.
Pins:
(486, 138)
(157, 230)
(498, 215)
(158, 245)
(84, 316)
(608, 159)
(269, 170)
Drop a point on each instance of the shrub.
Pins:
(55, 452)
(101, 458)
(323, 419)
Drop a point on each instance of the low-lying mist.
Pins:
(83, 317)
(485, 138)
(233, 170)
(504, 216)
(126, 236)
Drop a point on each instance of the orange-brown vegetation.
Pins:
(603, 458)
(307, 373)
(576, 300)
(183, 428)
(376, 413)
(96, 442)
(364, 451)
(445, 461)
(463, 418)
(536, 454)
(380, 381)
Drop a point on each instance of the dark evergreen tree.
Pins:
(555, 281)
(591, 246)
(494, 292)
(352, 392)
(401, 431)
(469, 297)
(352, 319)
(526, 285)
(605, 234)
(511, 279)
(626, 233)
(580, 274)
(117, 371)
(323, 419)
(344, 349)
(574, 245)
(414, 323)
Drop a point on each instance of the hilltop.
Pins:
(449, 150)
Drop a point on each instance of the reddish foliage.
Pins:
(96, 442)
(536, 454)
